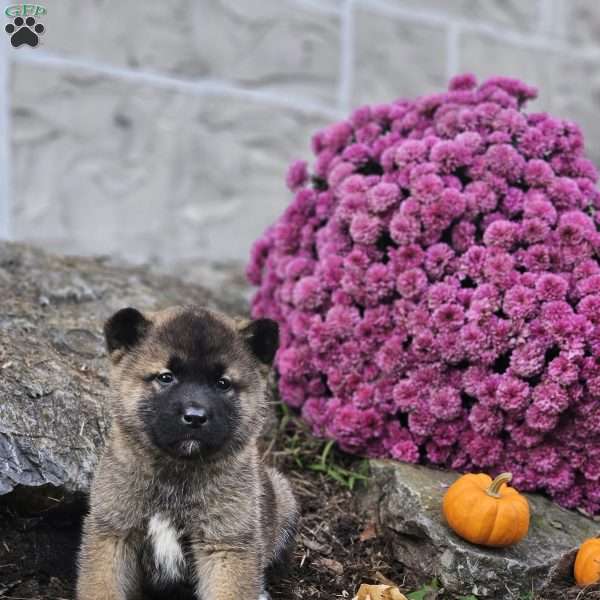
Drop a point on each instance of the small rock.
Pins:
(80, 342)
(408, 501)
(34, 389)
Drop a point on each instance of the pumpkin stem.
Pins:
(494, 489)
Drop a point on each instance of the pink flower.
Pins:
(406, 451)
(449, 317)
(364, 396)
(365, 229)
(404, 229)
(534, 230)
(574, 228)
(406, 257)
(421, 422)
(450, 155)
(336, 136)
(551, 287)
(501, 233)
(308, 293)
(379, 282)
(354, 427)
(538, 173)
(560, 479)
(357, 153)
(545, 459)
(412, 283)
(427, 187)
(512, 394)
(473, 340)
(485, 421)
(539, 420)
(383, 196)
(564, 193)
(590, 308)
(485, 451)
(445, 404)
(505, 161)
(550, 398)
(527, 360)
(537, 206)
(410, 151)
(463, 82)
(498, 267)
(437, 259)
(589, 285)
(349, 205)
(520, 302)
(297, 175)
(390, 357)
(314, 412)
(406, 395)
(436, 279)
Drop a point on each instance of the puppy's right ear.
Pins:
(124, 330)
(262, 335)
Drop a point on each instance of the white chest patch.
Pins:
(168, 555)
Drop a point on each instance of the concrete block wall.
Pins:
(160, 131)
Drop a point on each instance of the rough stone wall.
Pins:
(160, 131)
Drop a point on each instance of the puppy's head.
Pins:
(189, 382)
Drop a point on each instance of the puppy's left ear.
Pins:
(262, 335)
(123, 331)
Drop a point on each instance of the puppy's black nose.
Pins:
(194, 416)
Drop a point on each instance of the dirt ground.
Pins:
(338, 547)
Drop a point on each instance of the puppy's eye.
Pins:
(165, 378)
(223, 383)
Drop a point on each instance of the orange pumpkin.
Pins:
(587, 563)
(486, 512)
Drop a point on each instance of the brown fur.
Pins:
(233, 516)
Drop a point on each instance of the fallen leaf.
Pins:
(315, 546)
(369, 532)
(379, 592)
(381, 578)
(331, 565)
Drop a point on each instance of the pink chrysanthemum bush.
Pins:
(437, 283)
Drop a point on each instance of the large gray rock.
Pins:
(407, 500)
(53, 368)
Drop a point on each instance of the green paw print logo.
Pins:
(25, 29)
